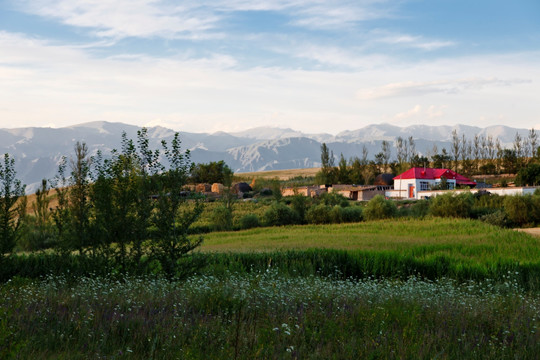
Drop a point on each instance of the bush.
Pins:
(280, 214)
(319, 214)
(336, 214)
(351, 214)
(299, 204)
(452, 205)
(497, 218)
(334, 198)
(518, 208)
(379, 208)
(420, 209)
(249, 221)
(222, 218)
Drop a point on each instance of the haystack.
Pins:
(203, 188)
(217, 188)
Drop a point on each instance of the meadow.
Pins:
(394, 289)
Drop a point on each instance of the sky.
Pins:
(229, 65)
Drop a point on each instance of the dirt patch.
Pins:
(532, 231)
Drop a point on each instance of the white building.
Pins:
(409, 184)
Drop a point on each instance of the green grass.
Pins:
(266, 316)
(467, 240)
(431, 248)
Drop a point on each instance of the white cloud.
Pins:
(411, 41)
(43, 83)
(452, 86)
(195, 19)
(128, 18)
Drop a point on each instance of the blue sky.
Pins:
(315, 66)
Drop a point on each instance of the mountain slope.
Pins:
(37, 151)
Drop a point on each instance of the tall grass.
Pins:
(266, 315)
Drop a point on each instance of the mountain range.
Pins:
(38, 151)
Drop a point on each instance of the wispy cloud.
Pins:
(411, 88)
(128, 18)
(410, 41)
(192, 19)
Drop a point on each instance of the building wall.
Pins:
(498, 191)
(402, 187)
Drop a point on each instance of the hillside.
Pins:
(37, 151)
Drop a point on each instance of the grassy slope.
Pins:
(463, 240)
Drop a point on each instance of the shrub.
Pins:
(488, 200)
(518, 209)
(420, 209)
(334, 198)
(222, 218)
(452, 205)
(497, 218)
(351, 214)
(336, 214)
(380, 208)
(249, 221)
(319, 214)
(299, 204)
(280, 214)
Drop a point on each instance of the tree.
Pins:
(79, 204)
(401, 152)
(326, 175)
(11, 190)
(509, 160)
(456, 148)
(61, 214)
(528, 175)
(442, 160)
(477, 151)
(533, 142)
(411, 149)
(519, 148)
(387, 152)
(39, 234)
(343, 172)
(213, 172)
(170, 238)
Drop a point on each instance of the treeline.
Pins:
(121, 206)
(480, 155)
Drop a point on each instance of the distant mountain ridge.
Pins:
(37, 151)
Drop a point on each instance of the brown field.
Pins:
(278, 174)
(31, 198)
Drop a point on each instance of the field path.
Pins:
(531, 231)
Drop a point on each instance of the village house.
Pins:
(412, 182)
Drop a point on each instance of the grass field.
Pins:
(298, 292)
(468, 240)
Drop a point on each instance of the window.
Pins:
(424, 186)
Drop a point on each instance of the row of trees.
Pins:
(479, 155)
(119, 206)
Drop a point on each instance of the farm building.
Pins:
(415, 180)
(359, 192)
(309, 191)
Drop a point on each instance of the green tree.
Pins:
(343, 171)
(529, 175)
(61, 213)
(170, 238)
(11, 190)
(213, 172)
(79, 204)
(327, 174)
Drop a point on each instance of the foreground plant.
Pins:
(266, 315)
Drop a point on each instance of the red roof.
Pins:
(433, 174)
